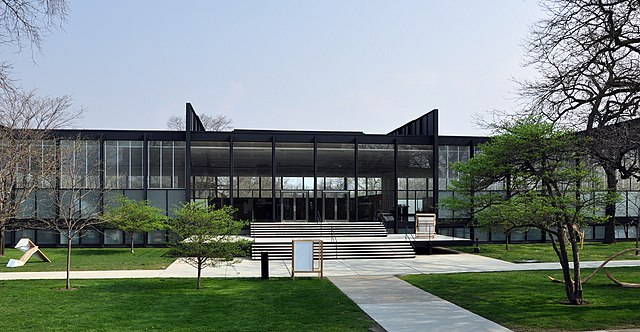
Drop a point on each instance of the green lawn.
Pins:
(525, 301)
(88, 259)
(175, 305)
(544, 251)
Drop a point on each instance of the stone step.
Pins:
(340, 250)
(315, 229)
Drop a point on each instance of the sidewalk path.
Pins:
(457, 263)
(399, 306)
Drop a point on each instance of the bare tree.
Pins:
(80, 195)
(217, 122)
(30, 20)
(25, 118)
(27, 22)
(27, 154)
(586, 53)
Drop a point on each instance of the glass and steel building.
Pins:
(277, 176)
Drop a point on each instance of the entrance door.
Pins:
(336, 205)
(293, 206)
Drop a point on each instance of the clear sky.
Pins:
(360, 65)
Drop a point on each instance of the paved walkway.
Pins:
(399, 306)
(371, 283)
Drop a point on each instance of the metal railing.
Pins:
(410, 237)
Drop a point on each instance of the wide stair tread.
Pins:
(314, 229)
(340, 250)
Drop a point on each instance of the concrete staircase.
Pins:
(340, 250)
(316, 229)
(347, 240)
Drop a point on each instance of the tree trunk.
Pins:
(199, 273)
(68, 285)
(506, 241)
(610, 208)
(566, 271)
(132, 234)
(574, 295)
(2, 241)
(577, 278)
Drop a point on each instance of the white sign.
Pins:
(303, 256)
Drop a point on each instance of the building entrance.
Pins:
(335, 205)
(294, 206)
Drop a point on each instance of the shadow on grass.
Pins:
(99, 252)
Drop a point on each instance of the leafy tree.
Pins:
(548, 183)
(135, 216)
(205, 236)
(586, 55)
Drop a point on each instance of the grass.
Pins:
(527, 301)
(175, 305)
(89, 259)
(544, 251)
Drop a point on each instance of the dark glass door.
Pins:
(335, 205)
(293, 206)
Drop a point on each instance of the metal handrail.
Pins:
(411, 237)
(332, 234)
(319, 219)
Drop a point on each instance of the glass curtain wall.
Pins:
(166, 174)
(79, 178)
(335, 183)
(166, 164)
(449, 155)
(415, 179)
(46, 193)
(123, 164)
(376, 182)
(252, 177)
(210, 173)
(294, 182)
(41, 202)
(303, 191)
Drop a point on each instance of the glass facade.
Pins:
(79, 164)
(313, 181)
(211, 172)
(281, 176)
(294, 171)
(252, 185)
(376, 181)
(448, 155)
(123, 164)
(166, 164)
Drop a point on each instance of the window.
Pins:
(166, 164)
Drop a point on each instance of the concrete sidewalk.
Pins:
(455, 263)
(399, 306)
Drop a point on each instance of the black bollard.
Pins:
(264, 263)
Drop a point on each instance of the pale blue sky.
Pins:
(325, 65)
